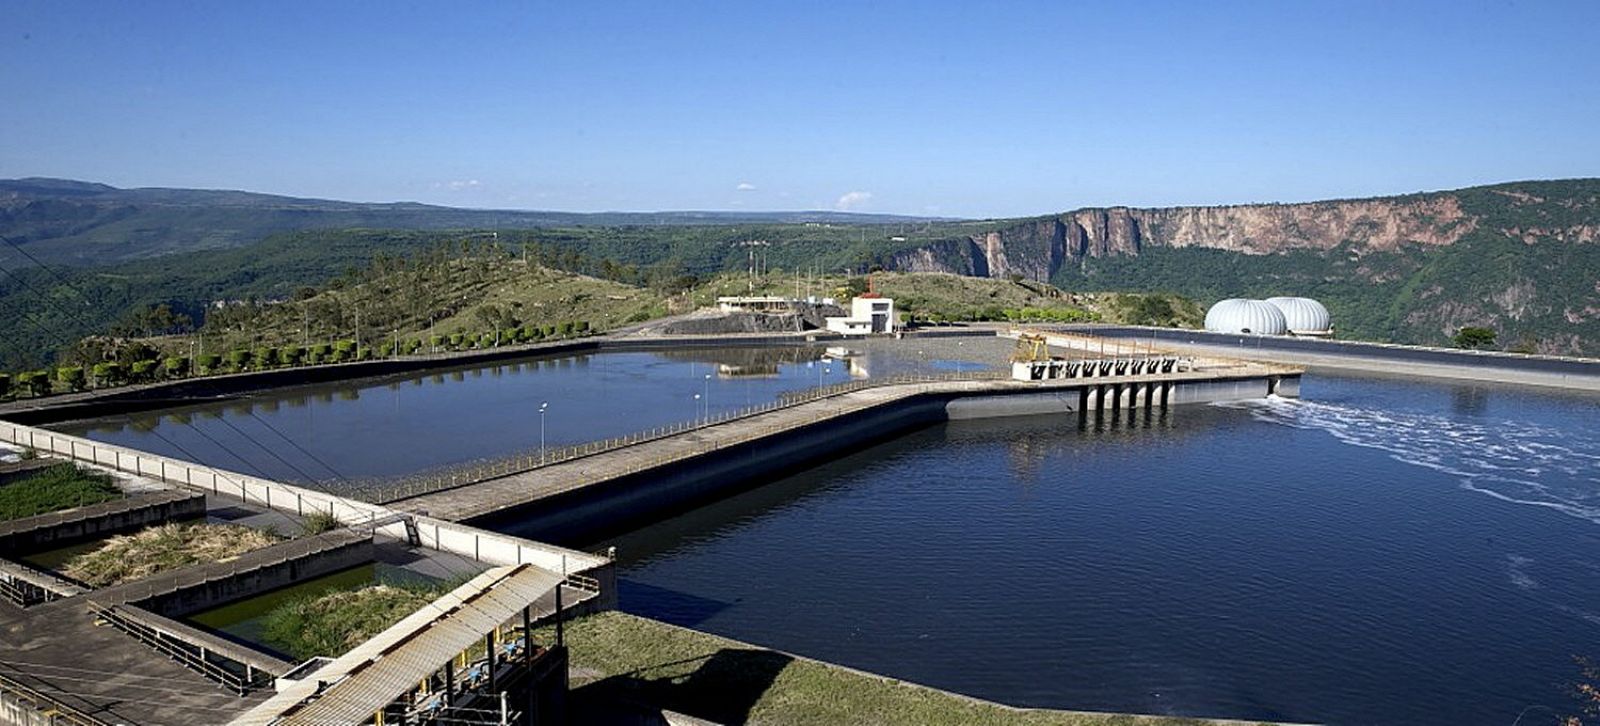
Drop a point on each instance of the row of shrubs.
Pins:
(112, 373)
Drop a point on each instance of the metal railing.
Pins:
(406, 488)
(53, 711)
(23, 593)
(236, 676)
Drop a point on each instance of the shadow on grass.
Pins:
(722, 688)
(673, 606)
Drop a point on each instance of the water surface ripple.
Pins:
(1332, 559)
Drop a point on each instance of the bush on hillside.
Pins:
(71, 376)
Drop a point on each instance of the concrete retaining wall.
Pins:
(470, 542)
(594, 512)
(169, 394)
(244, 585)
(202, 587)
(97, 521)
(626, 502)
(1487, 366)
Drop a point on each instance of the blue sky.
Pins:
(960, 108)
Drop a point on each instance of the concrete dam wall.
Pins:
(592, 512)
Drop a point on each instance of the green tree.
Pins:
(1473, 338)
(293, 355)
(238, 359)
(110, 373)
(264, 357)
(37, 383)
(71, 376)
(208, 363)
(176, 366)
(5, 385)
(144, 371)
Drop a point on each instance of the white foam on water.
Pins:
(1513, 461)
(1517, 569)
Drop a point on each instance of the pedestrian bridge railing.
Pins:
(405, 488)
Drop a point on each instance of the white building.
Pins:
(869, 315)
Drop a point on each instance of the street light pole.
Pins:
(697, 409)
(708, 398)
(542, 407)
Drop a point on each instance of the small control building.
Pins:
(870, 314)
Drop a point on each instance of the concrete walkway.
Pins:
(487, 497)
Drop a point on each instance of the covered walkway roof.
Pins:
(375, 673)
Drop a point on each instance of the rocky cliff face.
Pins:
(1035, 249)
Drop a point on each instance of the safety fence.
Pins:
(27, 706)
(405, 488)
(435, 534)
(166, 636)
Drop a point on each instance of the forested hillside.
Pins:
(69, 222)
(1522, 259)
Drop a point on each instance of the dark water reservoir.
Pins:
(1382, 551)
(390, 428)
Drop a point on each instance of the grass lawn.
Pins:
(130, 557)
(643, 661)
(63, 486)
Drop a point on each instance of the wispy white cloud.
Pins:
(458, 184)
(745, 187)
(852, 201)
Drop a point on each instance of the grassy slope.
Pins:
(635, 659)
(956, 297)
(472, 294)
(441, 301)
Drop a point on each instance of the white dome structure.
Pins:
(1303, 315)
(1256, 317)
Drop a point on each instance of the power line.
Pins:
(129, 420)
(202, 381)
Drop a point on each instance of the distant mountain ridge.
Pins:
(76, 222)
(1522, 257)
